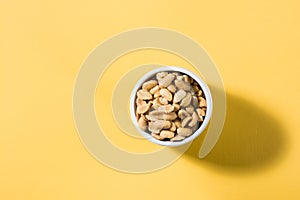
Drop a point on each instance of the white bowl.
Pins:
(204, 88)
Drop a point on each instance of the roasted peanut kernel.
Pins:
(177, 138)
(167, 80)
(177, 123)
(144, 95)
(173, 127)
(140, 102)
(156, 136)
(156, 94)
(184, 132)
(166, 94)
(190, 109)
(180, 84)
(161, 75)
(163, 101)
(202, 102)
(194, 120)
(167, 125)
(172, 88)
(166, 108)
(183, 114)
(149, 84)
(195, 88)
(142, 123)
(156, 126)
(143, 108)
(167, 134)
(186, 100)
(179, 96)
(202, 112)
(176, 106)
(199, 93)
(200, 117)
(195, 101)
(154, 90)
(185, 121)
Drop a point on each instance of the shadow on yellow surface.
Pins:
(251, 139)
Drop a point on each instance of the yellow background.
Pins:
(255, 45)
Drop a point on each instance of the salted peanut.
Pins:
(199, 93)
(156, 126)
(163, 101)
(183, 114)
(179, 95)
(156, 136)
(161, 75)
(188, 79)
(149, 84)
(144, 95)
(184, 132)
(165, 93)
(138, 115)
(180, 78)
(140, 102)
(201, 112)
(194, 128)
(195, 88)
(142, 122)
(194, 120)
(156, 115)
(172, 88)
(177, 138)
(167, 80)
(166, 108)
(176, 73)
(176, 106)
(202, 102)
(185, 121)
(186, 100)
(190, 109)
(195, 101)
(167, 134)
(170, 116)
(154, 89)
(143, 108)
(156, 102)
(173, 127)
(180, 84)
(147, 117)
(200, 117)
(167, 125)
(177, 123)
(156, 94)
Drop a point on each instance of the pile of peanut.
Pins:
(170, 106)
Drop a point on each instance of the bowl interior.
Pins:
(202, 85)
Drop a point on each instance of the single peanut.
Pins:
(144, 94)
(177, 138)
(142, 123)
(167, 134)
(166, 94)
(179, 95)
(194, 120)
(184, 131)
(186, 100)
(149, 84)
(185, 121)
(180, 84)
(167, 80)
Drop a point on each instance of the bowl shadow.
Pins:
(251, 140)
